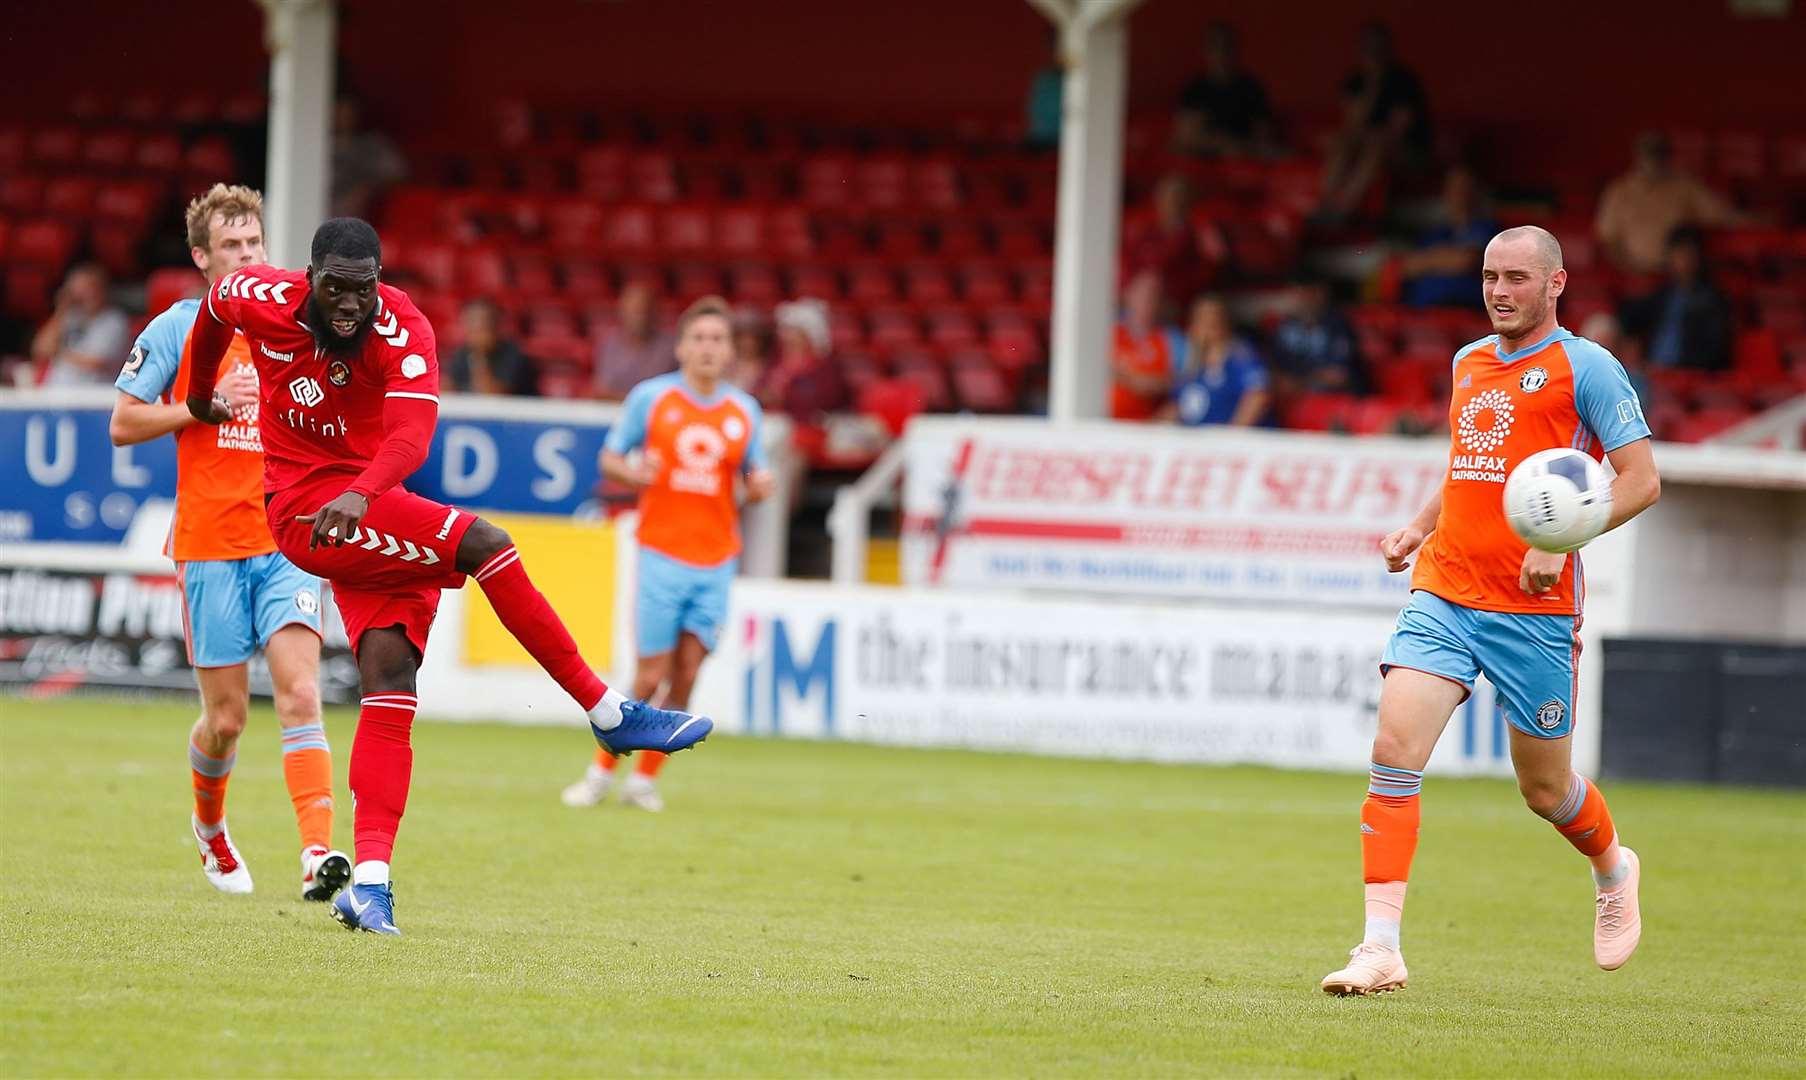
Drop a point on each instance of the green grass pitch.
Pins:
(826, 909)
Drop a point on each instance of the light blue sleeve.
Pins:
(1603, 396)
(755, 442)
(629, 432)
(157, 354)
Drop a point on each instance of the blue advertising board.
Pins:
(62, 480)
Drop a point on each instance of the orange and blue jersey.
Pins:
(219, 468)
(697, 446)
(1560, 391)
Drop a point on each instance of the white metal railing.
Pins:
(850, 519)
(1784, 425)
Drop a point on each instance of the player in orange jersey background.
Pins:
(696, 434)
(239, 593)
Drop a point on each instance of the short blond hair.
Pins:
(234, 202)
(708, 305)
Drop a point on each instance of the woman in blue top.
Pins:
(1225, 381)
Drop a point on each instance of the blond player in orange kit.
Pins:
(697, 433)
(239, 593)
(1483, 602)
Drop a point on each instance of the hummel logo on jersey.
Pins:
(389, 328)
(1466, 381)
(285, 357)
(246, 287)
(307, 391)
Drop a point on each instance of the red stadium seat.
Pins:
(127, 200)
(685, 230)
(978, 384)
(56, 146)
(695, 280)
(791, 233)
(652, 177)
(602, 172)
(962, 239)
(22, 193)
(740, 230)
(628, 230)
(108, 151)
(845, 330)
(757, 284)
(900, 238)
(71, 195)
(45, 241)
(934, 184)
(987, 286)
(952, 328)
(816, 281)
(827, 181)
(882, 182)
(892, 329)
(871, 283)
(164, 287)
(585, 280)
(892, 402)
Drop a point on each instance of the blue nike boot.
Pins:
(370, 908)
(643, 727)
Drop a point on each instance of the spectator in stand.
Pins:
(1386, 126)
(1314, 349)
(1046, 97)
(1225, 381)
(1145, 354)
(365, 164)
(1163, 238)
(489, 362)
(1443, 269)
(752, 350)
(1686, 323)
(803, 384)
(1641, 208)
(86, 338)
(1224, 110)
(634, 350)
(1603, 329)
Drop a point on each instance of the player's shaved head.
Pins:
(346, 238)
(1546, 246)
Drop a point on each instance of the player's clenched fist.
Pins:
(1541, 570)
(1398, 546)
(335, 521)
(759, 484)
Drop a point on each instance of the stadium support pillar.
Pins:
(1094, 39)
(301, 36)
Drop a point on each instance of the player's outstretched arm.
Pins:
(207, 343)
(1637, 486)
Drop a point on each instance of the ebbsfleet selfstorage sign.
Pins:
(1130, 508)
(1195, 682)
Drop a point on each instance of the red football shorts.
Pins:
(391, 571)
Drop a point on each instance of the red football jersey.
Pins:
(323, 410)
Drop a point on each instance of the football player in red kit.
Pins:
(349, 377)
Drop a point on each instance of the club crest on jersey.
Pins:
(413, 366)
(1533, 380)
(732, 428)
(1551, 714)
(338, 373)
(130, 371)
(307, 603)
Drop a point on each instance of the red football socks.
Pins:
(524, 611)
(382, 762)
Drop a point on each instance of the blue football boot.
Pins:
(370, 908)
(643, 727)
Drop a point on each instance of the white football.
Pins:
(1558, 500)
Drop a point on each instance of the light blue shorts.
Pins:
(1533, 661)
(232, 607)
(675, 598)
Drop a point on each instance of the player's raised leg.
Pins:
(294, 655)
(620, 726)
(212, 751)
(1414, 708)
(1570, 802)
